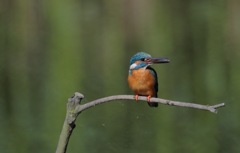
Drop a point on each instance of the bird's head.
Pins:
(143, 60)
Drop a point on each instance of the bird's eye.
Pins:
(142, 59)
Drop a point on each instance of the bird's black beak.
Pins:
(157, 60)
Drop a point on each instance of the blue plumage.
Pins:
(139, 56)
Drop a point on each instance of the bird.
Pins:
(142, 78)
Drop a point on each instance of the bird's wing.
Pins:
(156, 78)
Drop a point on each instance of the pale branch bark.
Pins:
(74, 108)
(69, 123)
(157, 100)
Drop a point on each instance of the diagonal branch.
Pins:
(74, 108)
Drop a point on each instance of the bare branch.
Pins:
(74, 108)
(157, 100)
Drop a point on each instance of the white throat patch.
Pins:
(133, 66)
(147, 66)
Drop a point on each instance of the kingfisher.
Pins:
(142, 78)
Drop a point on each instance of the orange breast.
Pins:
(142, 82)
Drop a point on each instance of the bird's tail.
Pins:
(153, 104)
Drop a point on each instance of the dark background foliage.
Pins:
(51, 49)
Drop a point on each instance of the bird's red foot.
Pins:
(148, 98)
(136, 97)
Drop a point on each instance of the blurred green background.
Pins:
(51, 49)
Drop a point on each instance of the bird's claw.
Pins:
(136, 97)
(148, 98)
